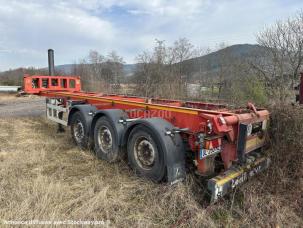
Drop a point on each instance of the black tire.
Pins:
(145, 154)
(105, 139)
(79, 130)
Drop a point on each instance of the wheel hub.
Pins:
(105, 139)
(78, 131)
(144, 153)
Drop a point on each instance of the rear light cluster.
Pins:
(209, 127)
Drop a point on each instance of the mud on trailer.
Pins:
(161, 138)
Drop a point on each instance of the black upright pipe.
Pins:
(51, 72)
(51, 62)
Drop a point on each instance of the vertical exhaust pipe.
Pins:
(51, 62)
(51, 72)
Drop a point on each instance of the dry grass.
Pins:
(7, 96)
(287, 144)
(12, 97)
(44, 176)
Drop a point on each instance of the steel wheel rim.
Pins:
(78, 131)
(145, 153)
(105, 139)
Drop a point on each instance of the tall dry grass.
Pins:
(44, 176)
(287, 154)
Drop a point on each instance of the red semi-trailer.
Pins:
(160, 137)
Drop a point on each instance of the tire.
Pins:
(105, 139)
(79, 130)
(145, 154)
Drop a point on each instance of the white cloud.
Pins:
(31, 28)
(72, 27)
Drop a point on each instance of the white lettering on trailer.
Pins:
(244, 176)
(239, 180)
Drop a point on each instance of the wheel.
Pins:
(145, 154)
(106, 145)
(78, 130)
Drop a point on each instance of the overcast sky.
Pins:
(73, 27)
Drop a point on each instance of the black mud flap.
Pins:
(224, 183)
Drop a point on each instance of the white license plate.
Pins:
(207, 152)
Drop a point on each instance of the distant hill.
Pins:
(211, 61)
(128, 69)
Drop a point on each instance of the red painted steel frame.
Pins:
(192, 115)
(36, 84)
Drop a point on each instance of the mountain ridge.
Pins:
(234, 51)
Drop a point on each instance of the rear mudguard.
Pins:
(172, 145)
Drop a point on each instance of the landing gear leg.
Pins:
(60, 128)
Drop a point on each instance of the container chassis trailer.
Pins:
(161, 138)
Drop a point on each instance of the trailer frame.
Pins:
(217, 138)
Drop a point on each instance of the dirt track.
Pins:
(11, 106)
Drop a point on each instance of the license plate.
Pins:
(207, 152)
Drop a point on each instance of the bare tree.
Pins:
(114, 65)
(96, 61)
(182, 50)
(283, 49)
(163, 71)
(99, 72)
(115, 62)
(143, 74)
(151, 70)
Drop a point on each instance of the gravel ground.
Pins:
(12, 106)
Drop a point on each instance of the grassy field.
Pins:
(12, 97)
(44, 176)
